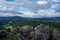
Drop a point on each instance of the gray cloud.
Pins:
(33, 6)
(28, 4)
(10, 12)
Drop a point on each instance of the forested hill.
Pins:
(19, 18)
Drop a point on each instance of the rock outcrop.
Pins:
(56, 34)
(41, 32)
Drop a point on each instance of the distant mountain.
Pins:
(7, 20)
(19, 18)
(14, 18)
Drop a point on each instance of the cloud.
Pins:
(31, 15)
(48, 13)
(56, 0)
(56, 7)
(41, 13)
(37, 9)
(28, 4)
(8, 14)
(5, 14)
(42, 2)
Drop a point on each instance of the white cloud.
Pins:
(42, 2)
(28, 4)
(41, 7)
(47, 13)
(41, 13)
(29, 14)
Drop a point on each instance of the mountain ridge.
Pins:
(26, 18)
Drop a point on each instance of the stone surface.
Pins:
(41, 32)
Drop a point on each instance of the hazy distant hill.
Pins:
(16, 20)
(19, 18)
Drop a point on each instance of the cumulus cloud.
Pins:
(48, 13)
(41, 2)
(37, 9)
(26, 3)
(41, 14)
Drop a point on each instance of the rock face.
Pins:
(3, 34)
(41, 32)
(56, 34)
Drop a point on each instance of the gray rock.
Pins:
(56, 34)
(42, 32)
(20, 37)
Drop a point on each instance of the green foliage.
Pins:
(8, 27)
(33, 23)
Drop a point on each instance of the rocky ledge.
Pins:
(41, 32)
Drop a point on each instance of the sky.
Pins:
(30, 8)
